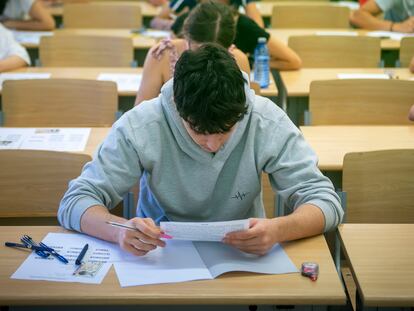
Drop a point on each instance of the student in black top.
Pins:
(247, 34)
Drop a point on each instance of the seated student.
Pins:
(206, 138)
(248, 32)
(13, 14)
(398, 14)
(12, 54)
(208, 22)
(177, 7)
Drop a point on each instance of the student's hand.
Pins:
(140, 242)
(405, 26)
(258, 239)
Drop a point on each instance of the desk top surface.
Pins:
(230, 288)
(381, 258)
(331, 143)
(148, 10)
(298, 82)
(93, 72)
(284, 34)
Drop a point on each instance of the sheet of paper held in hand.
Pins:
(203, 231)
(52, 139)
(96, 263)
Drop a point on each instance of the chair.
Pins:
(59, 102)
(32, 183)
(66, 50)
(255, 87)
(337, 51)
(310, 16)
(406, 51)
(360, 102)
(379, 186)
(268, 197)
(102, 15)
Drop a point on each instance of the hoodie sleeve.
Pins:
(293, 172)
(104, 181)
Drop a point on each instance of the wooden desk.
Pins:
(284, 34)
(96, 137)
(381, 259)
(331, 143)
(92, 73)
(232, 288)
(147, 9)
(297, 82)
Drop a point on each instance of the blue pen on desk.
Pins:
(78, 260)
(31, 247)
(27, 240)
(54, 253)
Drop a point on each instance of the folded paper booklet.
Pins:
(183, 261)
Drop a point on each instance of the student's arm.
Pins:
(241, 60)
(306, 220)
(254, 14)
(11, 62)
(139, 243)
(282, 57)
(40, 19)
(153, 75)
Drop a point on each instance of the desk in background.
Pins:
(148, 12)
(380, 257)
(236, 288)
(297, 84)
(126, 98)
(331, 143)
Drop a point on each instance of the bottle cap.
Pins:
(262, 40)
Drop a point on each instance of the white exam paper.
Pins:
(53, 139)
(30, 37)
(203, 231)
(156, 34)
(22, 76)
(388, 34)
(69, 246)
(337, 33)
(126, 82)
(183, 261)
(363, 76)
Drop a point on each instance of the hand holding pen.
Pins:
(140, 236)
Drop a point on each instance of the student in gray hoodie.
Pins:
(199, 150)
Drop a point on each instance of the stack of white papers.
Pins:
(126, 82)
(337, 33)
(30, 37)
(363, 76)
(22, 76)
(53, 139)
(156, 34)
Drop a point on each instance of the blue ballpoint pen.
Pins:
(28, 246)
(27, 240)
(54, 253)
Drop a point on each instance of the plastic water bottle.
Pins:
(261, 63)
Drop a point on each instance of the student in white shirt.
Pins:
(12, 54)
(25, 15)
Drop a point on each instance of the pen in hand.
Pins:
(78, 260)
(117, 224)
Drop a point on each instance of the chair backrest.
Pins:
(102, 15)
(32, 182)
(66, 50)
(310, 16)
(360, 102)
(59, 103)
(406, 51)
(268, 196)
(337, 51)
(379, 186)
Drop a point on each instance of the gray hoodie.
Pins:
(182, 182)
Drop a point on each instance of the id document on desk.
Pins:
(183, 261)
